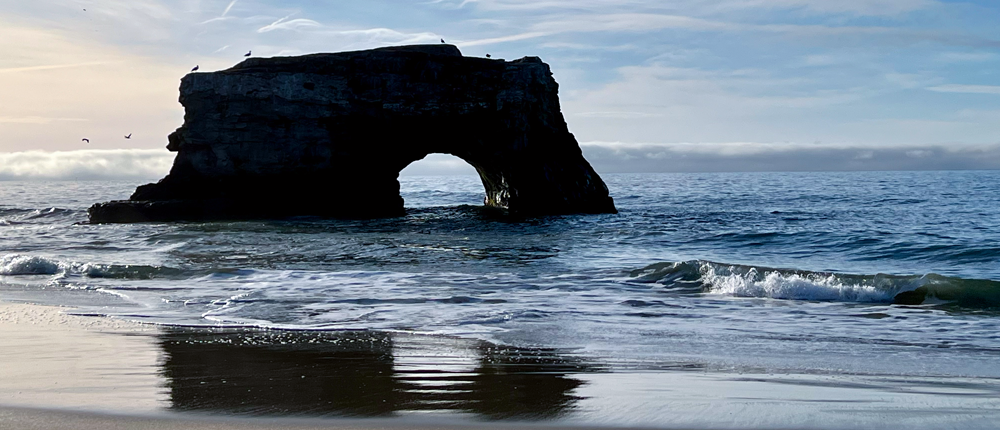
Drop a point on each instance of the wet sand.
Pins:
(71, 372)
(39, 419)
(60, 371)
(51, 359)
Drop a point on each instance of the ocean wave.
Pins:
(15, 216)
(19, 265)
(789, 284)
(48, 212)
(16, 264)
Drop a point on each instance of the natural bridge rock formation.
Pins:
(327, 134)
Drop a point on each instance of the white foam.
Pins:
(773, 284)
(16, 264)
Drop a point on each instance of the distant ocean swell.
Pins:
(689, 277)
(13, 216)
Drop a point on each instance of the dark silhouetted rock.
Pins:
(327, 134)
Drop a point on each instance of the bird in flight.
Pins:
(129, 136)
(85, 140)
(247, 54)
(195, 69)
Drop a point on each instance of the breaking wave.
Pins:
(21, 265)
(762, 282)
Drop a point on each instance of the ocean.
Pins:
(744, 300)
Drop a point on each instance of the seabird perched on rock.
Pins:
(195, 69)
(129, 136)
(487, 55)
(247, 54)
(85, 140)
(442, 40)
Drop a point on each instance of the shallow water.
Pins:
(887, 279)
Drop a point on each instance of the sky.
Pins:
(645, 86)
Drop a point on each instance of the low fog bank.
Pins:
(763, 157)
(153, 164)
(86, 165)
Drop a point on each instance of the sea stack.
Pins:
(327, 134)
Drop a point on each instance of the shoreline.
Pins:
(64, 371)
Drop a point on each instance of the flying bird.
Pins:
(85, 140)
(129, 136)
(195, 69)
(247, 54)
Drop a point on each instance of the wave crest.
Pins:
(19, 265)
(16, 264)
(750, 281)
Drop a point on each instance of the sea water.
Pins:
(726, 300)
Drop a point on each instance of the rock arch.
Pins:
(327, 134)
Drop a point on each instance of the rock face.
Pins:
(327, 134)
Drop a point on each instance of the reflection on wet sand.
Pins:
(364, 373)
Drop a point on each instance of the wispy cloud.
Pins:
(54, 66)
(966, 57)
(850, 7)
(887, 8)
(970, 89)
(96, 164)
(36, 120)
(286, 24)
(230, 7)
(502, 39)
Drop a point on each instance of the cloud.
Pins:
(618, 115)
(851, 7)
(615, 157)
(36, 120)
(963, 57)
(285, 24)
(503, 39)
(839, 7)
(969, 89)
(95, 164)
(53, 67)
(383, 36)
(228, 8)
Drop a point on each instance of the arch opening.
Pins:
(440, 179)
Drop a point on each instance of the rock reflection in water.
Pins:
(362, 373)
